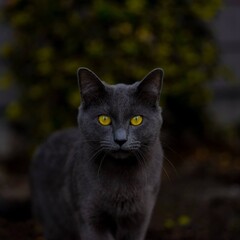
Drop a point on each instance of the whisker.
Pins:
(165, 145)
(166, 173)
(96, 153)
(168, 161)
(134, 147)
(142, 162)
(100, 165)
(171, 164)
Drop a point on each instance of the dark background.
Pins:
(197, 43)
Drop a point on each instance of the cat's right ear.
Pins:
(90, 85)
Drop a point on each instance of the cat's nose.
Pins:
(120, 136)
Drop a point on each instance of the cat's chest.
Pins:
(123, 200)
(124, 205)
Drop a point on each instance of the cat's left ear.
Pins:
(150, 87)
(90, 85)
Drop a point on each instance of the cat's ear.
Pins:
(90, 85)
(150, 87)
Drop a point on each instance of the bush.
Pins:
(121, 41)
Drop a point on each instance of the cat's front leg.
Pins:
(134, 227)
(133, 233)
(88, 232)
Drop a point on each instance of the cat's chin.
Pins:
(120, 154)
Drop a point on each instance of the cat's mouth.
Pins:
(121, 152)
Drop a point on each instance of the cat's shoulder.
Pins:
(64, 136)
(55, 148)
(59, 141)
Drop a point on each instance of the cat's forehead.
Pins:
(122, 98)
(122, 86)
(122, 93)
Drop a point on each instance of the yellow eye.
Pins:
(104, 120)
(136, 120)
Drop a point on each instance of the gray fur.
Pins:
(88, 186)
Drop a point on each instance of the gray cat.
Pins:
(100, 181)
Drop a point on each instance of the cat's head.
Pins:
(120, 119)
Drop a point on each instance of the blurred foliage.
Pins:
(181, 221)
(121, 41)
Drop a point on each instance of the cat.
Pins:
(100, 181)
